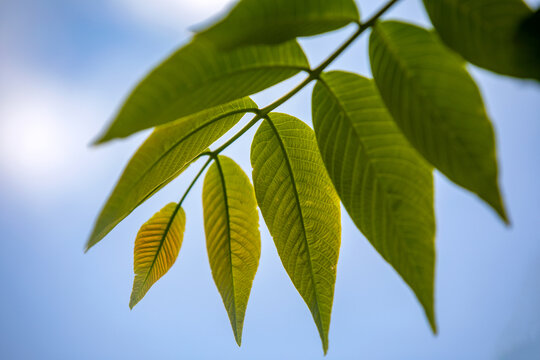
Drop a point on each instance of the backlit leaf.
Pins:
(163, 156)
(300, 208)
(487, 33)
(156, 248)
(384, 184)
(437, 106)
(275, 21)
(198, 77)
(231, 223)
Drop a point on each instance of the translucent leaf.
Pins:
(233, 241)
(164, 155)
(275, 21)
(437, 105)
(156, 249)
(198, 77)
(300, 208)
(384, 184)
(488, 34)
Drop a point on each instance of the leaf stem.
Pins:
(210, 158)
(242, 131)
(361, 28)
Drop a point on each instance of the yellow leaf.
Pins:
(156, 248)
(233, 241)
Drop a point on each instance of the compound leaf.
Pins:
(233, 241)
(166, 153)
(275, 21)
(385, 185)
(300, 208)
(198, 77)
(488, 33)
(156, 248)
(437, 106)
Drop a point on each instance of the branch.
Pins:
(313, 74)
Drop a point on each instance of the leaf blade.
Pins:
(274, 21)
(437, 106)
(166, 153)
(231, 223)
(487, 34)
(300, 208)
(157, 246)
(197, 77)
(373, 166)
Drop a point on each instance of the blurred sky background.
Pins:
(65, 67)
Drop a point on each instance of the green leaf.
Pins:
(166, 153)
(300, 208)
(487, 33)
(156, 249)
(437, 105)
(233, 241)
(275, 21)
(386, 187)
(198, 77)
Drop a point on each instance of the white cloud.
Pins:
(45, 127)
(176, 14)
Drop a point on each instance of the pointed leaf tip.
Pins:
(198, 77)
(384, 184)
(99, 140)
(288, 174)
(231, 224)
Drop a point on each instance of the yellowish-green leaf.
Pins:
(275, 21)
(488, 34)
(231, 224)
(198, 77)
(385, 185)
(156, 248)
(437, 105)
(164, 155)
(301, 209)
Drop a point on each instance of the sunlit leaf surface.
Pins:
(156, 248)
(300, 208)
(233, 241)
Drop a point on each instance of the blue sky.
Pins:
(66, 65)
